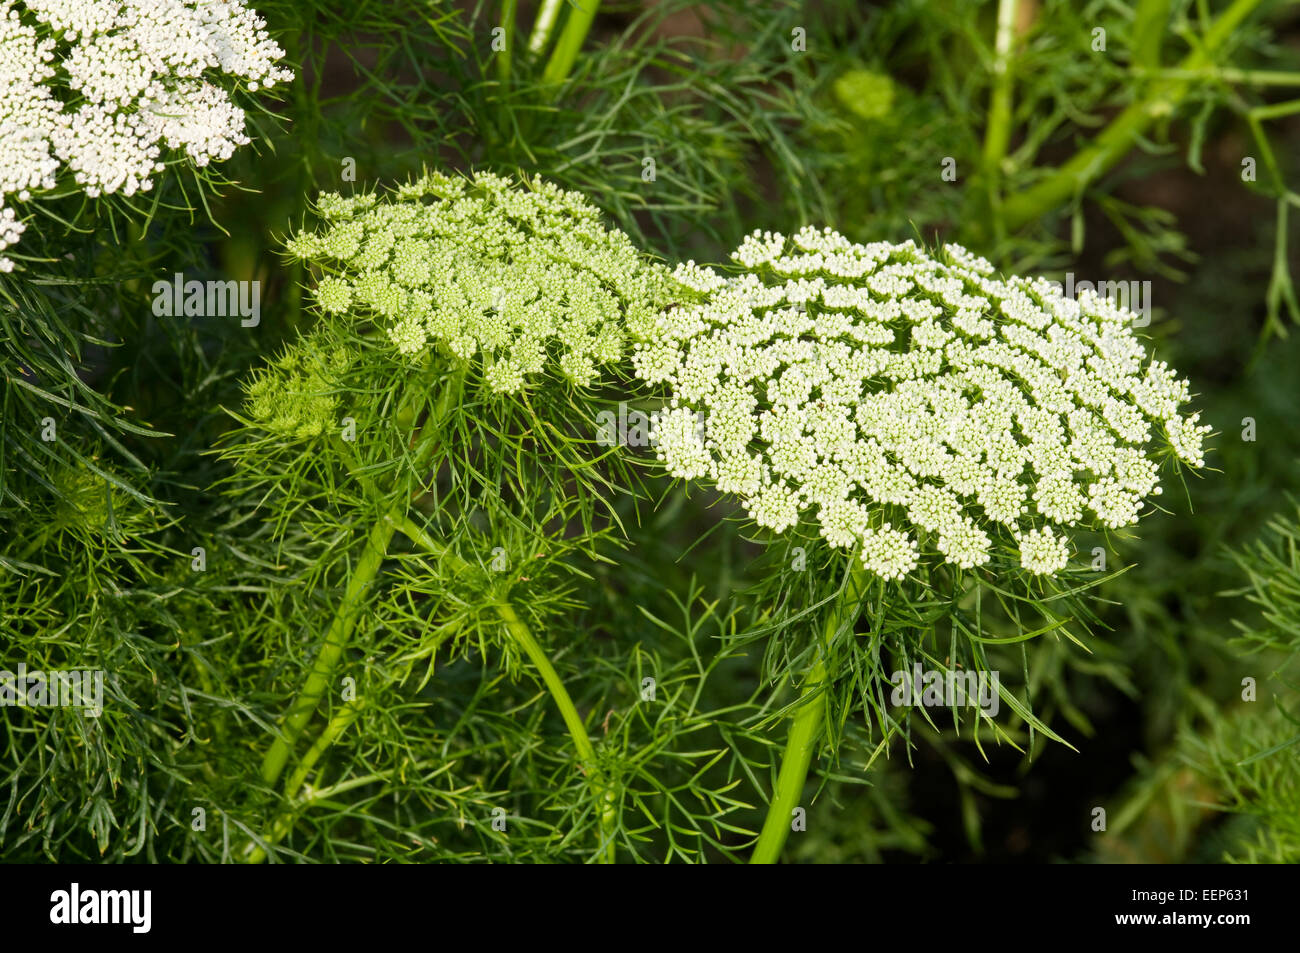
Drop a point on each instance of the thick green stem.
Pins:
(795, 761)
(367, 567)
(998, 132)
(337, 725)
(1150, 20)
(806, 730)
(543, 26)
(1114, 142)
(508, 35)
(570, 43)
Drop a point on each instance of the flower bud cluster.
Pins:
(521, 276)
(296, 396)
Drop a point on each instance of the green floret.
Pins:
(334, 295)
(343, 241)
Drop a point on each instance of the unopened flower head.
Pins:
(912, 402)
(297, 395)
(106, 89)
(519, 276)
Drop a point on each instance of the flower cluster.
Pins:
(296, 396)
(102, 87)
(483, 267)
(911, 399)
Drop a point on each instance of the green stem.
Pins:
(337, 725)
(795, 761)
(1276, 110)
(576, 27)
(1150, 19)
(1114, 142)
(508, 30)
(805, 731)
(997, 136)
(363, 575)
(523, 636)
(568, 711)
(1244, 77)
(998, 133)
(1281, 290)
(544, 25)
(372, 558)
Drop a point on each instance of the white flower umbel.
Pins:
(521, 275)
(107, 89)
(910, 399)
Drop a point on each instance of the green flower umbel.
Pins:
(296, 395)
(520, 276)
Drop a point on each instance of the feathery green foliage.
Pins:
(369, 584)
